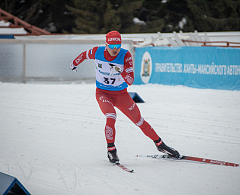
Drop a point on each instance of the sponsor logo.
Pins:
(102, 98)
(129, 79)
(139, 123)
(146, 67)
(109, 133)
(131, 108)
(107, 101)
(99, 65)
(217, 162)
(130, 58)
(114, 70)
(79, 59)
(128, 70)
(114, 39)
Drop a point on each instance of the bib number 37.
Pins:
(110, 81)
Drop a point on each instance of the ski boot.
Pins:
(162, 147)
(112, 154)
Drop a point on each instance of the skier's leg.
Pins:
(131, 110)
(106, 105)
(126, 104)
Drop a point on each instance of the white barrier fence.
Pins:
(24, 60)
(47, 57)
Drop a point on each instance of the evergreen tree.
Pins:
(215, 15)
(151, 13)
(94, 16)
(41, 13)
(103, 16)
(201, 15)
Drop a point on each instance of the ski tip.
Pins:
(124, 168)
(129, 170)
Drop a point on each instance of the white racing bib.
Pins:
(108, 75)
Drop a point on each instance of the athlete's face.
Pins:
(114, 51)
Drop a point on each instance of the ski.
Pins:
(123, 167)
(191, 158)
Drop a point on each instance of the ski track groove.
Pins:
(180, 119)
(202, 131)
(157, 178)
(198, 128)
(64, 181)
(61, 116)
(192, 120)
(49, 108)
(132, 185)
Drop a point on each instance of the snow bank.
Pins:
(52, 140)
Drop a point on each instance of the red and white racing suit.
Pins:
(113, 75)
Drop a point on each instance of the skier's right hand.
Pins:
(73, 67)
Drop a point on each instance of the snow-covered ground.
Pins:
(52, 140)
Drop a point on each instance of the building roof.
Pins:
(10, 24)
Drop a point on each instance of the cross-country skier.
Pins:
(114, 72)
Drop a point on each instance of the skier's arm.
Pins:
(127, 73)
(89, 54)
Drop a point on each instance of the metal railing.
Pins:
(217, 43)
(18, 23)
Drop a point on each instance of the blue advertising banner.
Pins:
(198, 67)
